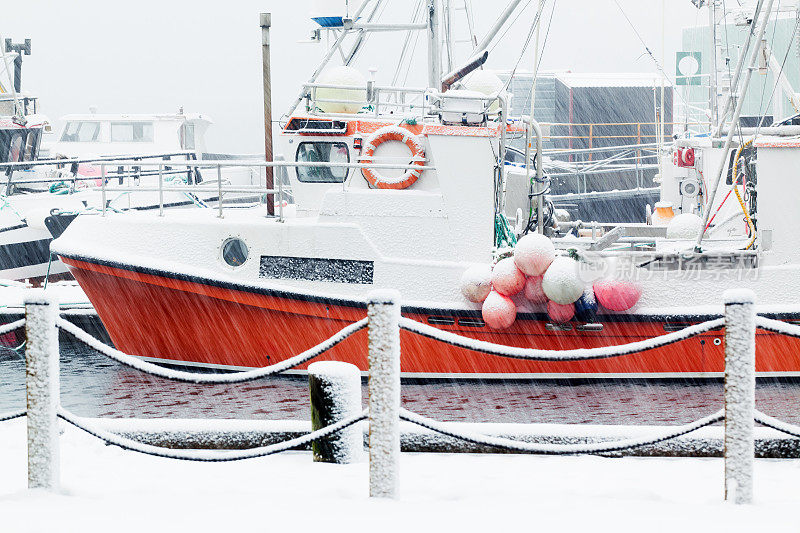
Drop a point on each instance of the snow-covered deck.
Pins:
(107, 489)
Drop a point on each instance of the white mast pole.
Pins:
(434, 46)
(735, 119)
(722, 112)
(712, 23)
(540, 198)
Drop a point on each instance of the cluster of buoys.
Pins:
(542, 277)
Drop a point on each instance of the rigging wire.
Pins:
(659, 67)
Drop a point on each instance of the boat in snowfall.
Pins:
(49, 193)
(248, 290)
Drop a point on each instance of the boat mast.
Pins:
(722, 111)
(754, 53)
(712, 89)
(540, 195)
(434, 46)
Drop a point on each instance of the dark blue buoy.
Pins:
(586, 307)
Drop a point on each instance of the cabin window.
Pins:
(234, 252)
(131, 132)
(15, 148)
(187, 137)
(32, 145)
(81, 132)
(324, 152)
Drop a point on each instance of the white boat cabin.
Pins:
(93, 134)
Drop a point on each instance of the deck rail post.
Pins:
(383, 313)
(740, 385)
(42, 386)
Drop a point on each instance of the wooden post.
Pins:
(383, 311)
(740, 386)
(42, 385)
(266, 23)
(335, 390)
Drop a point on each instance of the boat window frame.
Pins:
(133, 123)
(300, 171)
(97, 137)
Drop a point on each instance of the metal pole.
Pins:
(42, 384)
(723, 111)
(434, 46)
(266, 22)
(103, 187)
(336, 46)
(740, 387)
(219, 189)
(498, 25)
(712, 23)
(161, 190)
(383, 312)
(729, 139)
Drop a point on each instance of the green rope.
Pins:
(503, 235)
(59, 188)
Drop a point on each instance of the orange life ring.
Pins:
(393, 133)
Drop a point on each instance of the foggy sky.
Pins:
(154, 56)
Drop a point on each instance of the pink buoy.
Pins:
(533, 290)
(560, 312)
(617, 295)
(533, 254)
(498, 311)
(88, 171)
(507, 279)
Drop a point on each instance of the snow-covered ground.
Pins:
(107, 489)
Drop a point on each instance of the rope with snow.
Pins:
(207, 456)
(557, 449)
(580, 354)
(11, 416)
(192, 377)
(778, 326)
(774, 423)
(7, 328)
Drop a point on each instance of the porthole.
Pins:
(234, 252)
(717, 341)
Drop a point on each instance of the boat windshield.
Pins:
(81, 132)
(18, 145)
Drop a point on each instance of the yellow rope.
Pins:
(739, 196)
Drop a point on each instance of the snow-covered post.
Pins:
(383, 313)
(740, 390)
(335, 390)
(42, 382)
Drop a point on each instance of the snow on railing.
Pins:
(384, 412)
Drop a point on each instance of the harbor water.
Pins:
(95, 386)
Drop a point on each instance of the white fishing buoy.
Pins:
(507, 279)
(476, 283)
(533, 290)
(685, 227)
(498, 311)
(562, 282)
(350, 100)
(533, 254)
(484, 82)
